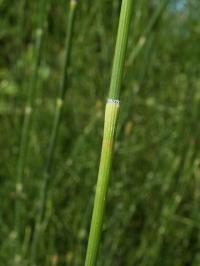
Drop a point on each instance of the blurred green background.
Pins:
(153, 210)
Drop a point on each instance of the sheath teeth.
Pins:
(113, 101)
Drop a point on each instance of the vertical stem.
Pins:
(110, 122)
(27, 120)
(64, 85)
(54, 134)
(120, 49)
(111, 114)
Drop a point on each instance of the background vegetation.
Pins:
(152, 215)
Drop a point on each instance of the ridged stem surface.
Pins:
(110, 122)
(120, 49)
(111, 114)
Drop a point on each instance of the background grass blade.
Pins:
(148, 30)
(27, 118)
(54, 135)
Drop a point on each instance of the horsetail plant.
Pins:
(55, 131)
(27, 118)
(110, 123)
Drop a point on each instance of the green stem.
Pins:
(27, 120)
(54, 134)
(120, 50)
(64, 85)
(111, 114)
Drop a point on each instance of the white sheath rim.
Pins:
(113, 101)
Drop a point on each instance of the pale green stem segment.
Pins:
(111, 114)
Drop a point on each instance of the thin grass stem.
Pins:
(27, 120)
(54, 134)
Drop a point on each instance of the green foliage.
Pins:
(152, 216)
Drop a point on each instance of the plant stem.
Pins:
(110, 122)
(55, 130)
(27, 120)
(63, 87)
